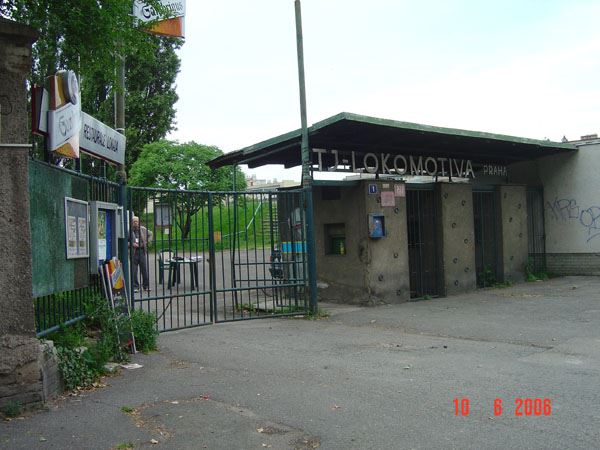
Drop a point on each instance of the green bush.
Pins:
(84, 348)
(76, 367)
(11, 409)
(144, 330)
(531, 274)
(71, 337)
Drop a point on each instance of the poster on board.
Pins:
(76, 228)
(71, 236)
(101, 235)
(82, 233)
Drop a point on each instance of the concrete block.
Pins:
(513, 231)
(457, 238)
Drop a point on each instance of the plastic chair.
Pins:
(165, 262)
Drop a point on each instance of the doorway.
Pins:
(486, 239)
(423, 257)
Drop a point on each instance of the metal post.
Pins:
(306, 163)
(125, 241)
(234, 180)
(212, 262)
(120, 97)
(120, 127)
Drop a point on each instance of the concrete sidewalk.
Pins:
(365, 378)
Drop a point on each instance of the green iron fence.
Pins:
(60, 285)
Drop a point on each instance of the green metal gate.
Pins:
(218, 256)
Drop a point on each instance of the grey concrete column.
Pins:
(456, 230)
(512, 219)
(341, 277)
(20, 370)
(387, 272)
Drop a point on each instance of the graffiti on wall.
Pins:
(567, 209)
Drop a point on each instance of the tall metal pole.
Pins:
(120, 97)
(306, 162)
(122, 176)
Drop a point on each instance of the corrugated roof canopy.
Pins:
(350, 132)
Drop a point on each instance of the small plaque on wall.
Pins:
(388, 199)
(400, 190)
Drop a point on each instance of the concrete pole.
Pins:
(306, 163)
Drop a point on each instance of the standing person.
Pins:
(140, 238)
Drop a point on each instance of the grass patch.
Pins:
(127, 409)
(245, 226)
(124, 446)
(319, 314)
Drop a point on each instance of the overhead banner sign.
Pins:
(101, 140)
(169, 22)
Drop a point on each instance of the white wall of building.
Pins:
(572, 199)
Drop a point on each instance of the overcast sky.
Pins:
(527, 68)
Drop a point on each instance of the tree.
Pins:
(171, 165)
(86, 36)
(89, 36)
(150, 95)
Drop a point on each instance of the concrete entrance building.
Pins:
(436, 211)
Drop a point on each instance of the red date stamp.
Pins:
(523, 407)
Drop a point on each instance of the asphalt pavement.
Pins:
(387, 377)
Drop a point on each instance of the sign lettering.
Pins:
(101, 140)
(146, 13)
(387, 163)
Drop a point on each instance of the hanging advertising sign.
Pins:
(169, 22)
(101, 140)
(56, 114)
(63, 130)
(64, 114)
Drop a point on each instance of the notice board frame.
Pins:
(79, 210)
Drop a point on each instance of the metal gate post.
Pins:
(212, 261)
(124, 247)
(306, 162)
(310, 240)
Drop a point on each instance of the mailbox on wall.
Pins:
(376, 226)
(106, 228)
